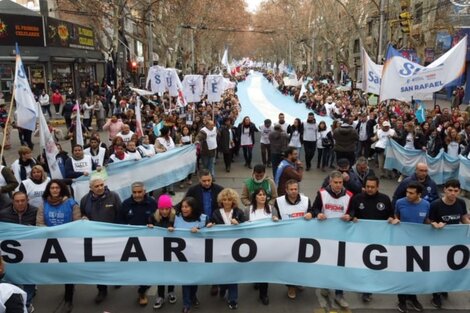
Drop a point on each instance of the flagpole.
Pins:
(5, 129)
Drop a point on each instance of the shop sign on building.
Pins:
(24, 30)
(69, 35)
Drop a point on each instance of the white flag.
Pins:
(46, 141)
(403, 79)
(371, 74)
(78, 127)
(193, 87)
(281, 67)
(156, 77)
(214, 87)
(302, 90)
(171, 81)
(26, 112)
(224, 61)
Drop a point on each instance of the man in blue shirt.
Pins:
(411, 209)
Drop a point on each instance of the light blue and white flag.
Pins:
(155, 172)
(441, 168)
(420, 112)
(26, 112)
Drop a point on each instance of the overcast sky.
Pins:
(253, 4)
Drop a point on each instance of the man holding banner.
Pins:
(101, 205)
(449, 210)
(333, 202)
(412, 209)
(138, 210)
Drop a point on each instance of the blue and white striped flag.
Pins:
(420, 112)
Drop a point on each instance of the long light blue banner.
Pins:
(367, 256)
(155, 172)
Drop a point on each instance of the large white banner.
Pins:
(403, 79)
(371, 74)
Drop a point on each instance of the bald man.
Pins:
(421, 175)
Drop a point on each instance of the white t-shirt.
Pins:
(265, 131)
(453, 149)
(409, 144)
(246, 138)
(295, 140)
(384, 138)
(259, 214)
(126, 137)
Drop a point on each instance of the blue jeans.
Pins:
(208, 164)
(247, 154)
(189, 293)
(30, 293)
(232, 292)
(276, 158)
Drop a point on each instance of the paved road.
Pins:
(124, 300)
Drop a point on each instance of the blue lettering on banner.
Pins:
(21, 71)
(422, 86)
(169, 81)
(193, 88)
(408, 69)
(321, 254)
(214, 87)
(374, 78)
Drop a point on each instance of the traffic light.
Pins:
(405, 22)
(134, 67)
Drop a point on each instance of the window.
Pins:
(357, 46)
(369, 28)
(418, 13)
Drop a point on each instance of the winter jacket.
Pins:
(345, 138)
(137, 213)
(9, 215)
(237, 214)
(104, 208)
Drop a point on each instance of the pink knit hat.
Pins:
(164, 202)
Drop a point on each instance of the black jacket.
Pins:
(369, 128)
(237, 214)
(9, 215)
(137, 213)
(224, 139)
(196, 192)
(253, 129)
(101, 209)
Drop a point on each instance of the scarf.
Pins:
(23, 166)
(120, 155)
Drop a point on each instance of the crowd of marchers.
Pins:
(349, 150)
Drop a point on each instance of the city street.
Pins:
(124, 300)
